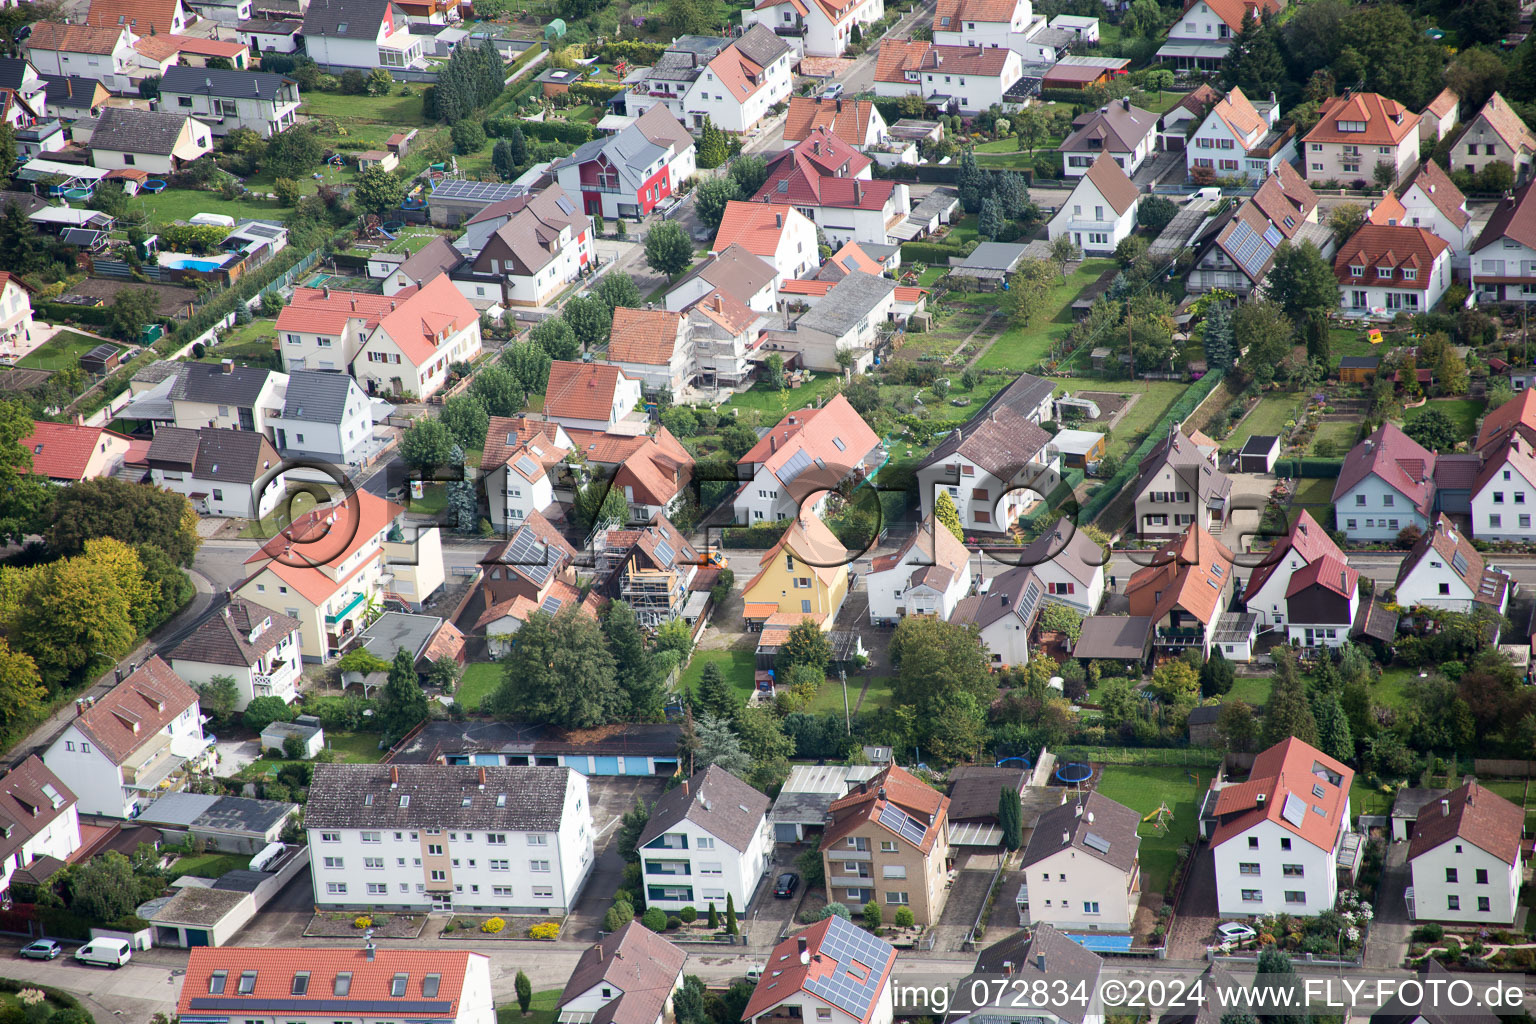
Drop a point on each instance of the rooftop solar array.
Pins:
(1249, 249)
(529, 555)
(1026, 606)
(899, 822)
(1094, 841)
(527, 466)
(550, 605)
(489, 191)
(793, 466)
(1459, 563)
(565, 206)
(866, 954)
(1273, 237)
(1295, 809)
(665, 553)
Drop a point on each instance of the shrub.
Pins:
(688, 914)
(618, 916)
(287, 191)
(492, 925)
(362, 921)
(1428, 933)
(655, 919)
(545, 930)
(904, 918)
(674, 923)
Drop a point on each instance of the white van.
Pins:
(105, 952)
(267, 857)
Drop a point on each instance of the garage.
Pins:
(1259, 454)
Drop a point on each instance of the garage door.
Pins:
(579, 764)
(637, 766)
(197, 937)
(606, 766)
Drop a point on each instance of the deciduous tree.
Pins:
(710, 199)
(667, 249)
(589, 319)
(559, 673)
(1301, 281)
(466, 419)
(618, 289)
(427, 444)
(556, 337)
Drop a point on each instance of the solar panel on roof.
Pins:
(793, 466)
(1295, 809)
(665, 553)
(1094, 841)
(1272, 236)
(1026, 605)
(565, 205)
(528, 554)
(527, 466)
(551, 605)
(1459, 563)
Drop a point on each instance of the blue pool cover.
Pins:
(1101, 942)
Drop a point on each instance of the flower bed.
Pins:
(343, 924)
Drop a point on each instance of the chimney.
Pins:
(368, 950)
(858, 191)
(482, 778)
(1260, 798)
(685, 787)
(597, 947)
(1077, 812)
(805, 950)
(227, 366)
(1445, 808)
(326, 291)
(1090, 817)
(391, 305)
(882, 792)
(1066, 837)
(839, 106)
(1125, 103)
(394, 776)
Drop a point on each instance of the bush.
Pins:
(545, 930)
(674, 923)
(688, 914)
(468, 137)
(362, 921)
(1428, 933)
(620, 914)
(655, 919)
(492, 925)
(904, 918)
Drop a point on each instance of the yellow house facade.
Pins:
(804, 574)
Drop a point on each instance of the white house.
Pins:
(1082, 865)
(518, 465)
(1236, 251)
(1240, 139)
(1270, 580)
(26, 95)
(1202, 36)
(1276, 838)
(736, 88)
(792, 988)
(1125, 132)
(226, 100)
(315, 985)
(1495, 135)
(1354, 133)
(324, 416)
(627, 173)
(1444, 570)
(449, 837)
(652, 346)
(1010, 25)
(999, 462)
(1004, 611)
(1504, 491)
(223, 472)
(1321, 601)
(104, 53)
(1503, 263)
(707, 841)
(360, 34)
(734, 270)
(591, 396)
(780, 235)
(39, 819)
(1385, 485)
(815, 28)
(1440, 116)
(1101, 211)
(15, 312)
(118, 749)
(1069, 566)
(154, 141)
(225, 395)
(1384, 270)
(260, 648)
(927, 575)
(806, 454)
(1464, 859)
(628, 976)
(1432, 201)
(856, 122)
(831, 182)
(968, 78)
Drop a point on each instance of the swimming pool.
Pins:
(205, 266)
(1101, 942)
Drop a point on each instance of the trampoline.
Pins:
(1074, 773)
(1023, 762)
(394, 226)
(154, 185)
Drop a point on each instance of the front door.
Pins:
(442, 901)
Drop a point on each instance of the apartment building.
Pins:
(708, 841)
(887, 840)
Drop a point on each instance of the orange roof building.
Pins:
(652, 346)
(856, 122)
(824, 27)
(1477, 834)
(806, 454)
(1495, 135)
(141, 17)
(1202, 36)
(1352, 130)
(67, 452)
(804, 575)
(1184, 590)
(1384, 269)
(781, 235)
(590, 396)
(932, 69)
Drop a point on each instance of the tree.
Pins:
(717, 744)
(1480, 21)
(667, 249)
(22, 694)
(1216, 675)
(1154, 212)
(518, 143)
(7, 153)
(1175, 681)
(930, 655)
(558, 673)
(462, 505)
(468, 137)
(131, 311)
(1333, 734)
(466, 421)
(1451, 372)
(989, 223)
(1010, 818)
(598, 501)
(710, 198)
(972, 182)
(1254, 62)
(294, 153)
(108, 507)
(502, 161)
(1346, 219)
(947, 515)
(805, 645)
(715, 696)
(589, 319)
(556, 337)
(1262, 333)
(635, 665)
(713, 149)
(631, 827)
(1217, 338)
(688, 17)
(1301, 281)
(749, 172)
(379, 191)
(872, 916)
(76, 610)
(500, 391)
(528, 365)
(1237, 726)
(263, 711)
(427, 444)
(1434, 430)
(524, 989)
(104, 889)
(1288, 713)
(20, 242)
(1029, 290)
(731, 927)
(1032, 127)
(1063, 252)
(763, 740)
(616, 289)
(737, 439)
(219, 696)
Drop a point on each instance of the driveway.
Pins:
(967, 895)
(611, 798)
(1387, 941)
(283, 920)
(1194, 923)
(1250, 496)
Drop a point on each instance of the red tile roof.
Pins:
(1393, 248)
(581, 391)
(1400, 461)
(893, 62)
(62, 451)
(1190, 573)
(1108, 177)
(1473, 814)
(1456, 551)
(313, 311)
(1290, 772)
(847, 119)
(799, 287)
(329, 535)
(647, 337)
(754, 226)
(1240, 115)
(507, 434)
(370, 976)
(50, 35)
(1387, 122)
(1440, 190)
(1516, 415)
(428, 317)
(822, 171)
(949, 13)
(1443, 104)
(1329, 572)
(139, 15)
(893, 787)
(786, 975)
(1306, 539)
(1506, 124)
(1514, 218)
(726, 310)
(135, 710)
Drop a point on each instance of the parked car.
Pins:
(755, 974)
(103, 952)
(1232, 931)
(42, 949)
(785, 887)
(832, 91)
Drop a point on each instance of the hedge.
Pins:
(928, 252)
(760, 536)
(59, 996)
(576, 132)
(599, 92)
(1321, 469)
(1077, 97)
(61, 312)
(1192, 757)
(634, 52)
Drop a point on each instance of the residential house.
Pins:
(1101, 211)
(1277, 837)
(437, 13)
(888, 841)
(1202, 37)
(1356, 132)
(1504, 491)
(1503, 261)
(1125, 132)
(815, 28)
(707, 841)
(38, 138)
(1495, 135)
(734, 89)
(1513, 418)
(225, 395)
(628, 977)
(324, 416)
(1443, 570)
(121, 748)
(654, 570)
(342, 35)
(1265, 592)
(1385, 485)
(668, 81)
(1440, 116)
(957, 79)
(734, 271)
(999, 462)
(226, 12)
(426, 638)
(521, 251)
(1069, 566)
(313, 985)
(519, 465)
(1237, 249)
(271, 35)
(157, 54)
(223, 472)
(525, 567)
(154, 141)
(1464, 859)
(334, 565)
(226, 100)
(1001, 24)
(66, 453)
(1431, 201)
(927, 575)
(15, 312)
(142, 17)
(782, 236)
(1179, 121)
(23, 93)
(1384, 269)
(830, 182)
(627, 173)
(1321, 601)
(1240, 139)
(75, 96)
(652, 470)
(593, 396)
(1184, 591)
(831, 971)
(449, 837)
(844, 328)
(652, 346)
(779, 589)
(1004, 610)
(261, 649)
(1035, 960)
(856, 122)
(1179, 486)
(807, 453)
(102, 53)
(39, 823)
(724, 332)
(1082, 865)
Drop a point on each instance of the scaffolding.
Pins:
(654, 594)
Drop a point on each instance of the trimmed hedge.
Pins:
(1192, 757)
(64, 999)
(600, 92)
(929, 252)
(760, 536)
(60, 312)
(1320, 469)
(576, 132)
(634, 52)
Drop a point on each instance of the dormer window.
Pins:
(944, 22)
(1351, 126)
(1356, 271)
(1410, 274)
(1383, 273)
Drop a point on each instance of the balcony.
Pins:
(351, 606)
(789, 30)
(1180, 636)
(1272, 143)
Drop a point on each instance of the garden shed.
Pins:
(101, 359)
(1259, 454)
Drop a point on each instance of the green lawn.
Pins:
(251, 343)
(830, 699)
(1251, 690)
(355, 747)
(1022, 348)
(61, 351)
(265, 529)
(1463, 412)
(209, 865)
(1314, 491)
(1157, 397)
(1365, 798)
(1268, 417)
(182, 204)
(480, 680)
(1144, 788)
(393, 109)
(541, 1010)
(1394, 685)
(771, 406)
(1349, 341)
(1343, 434)
(738, 666)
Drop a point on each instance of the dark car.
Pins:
(42, 949)
(785, 887)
